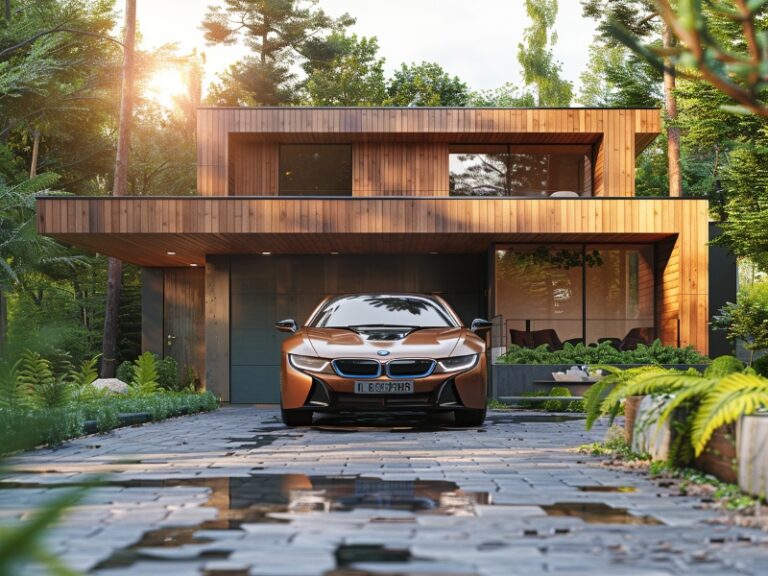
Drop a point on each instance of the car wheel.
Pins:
(296, 417)
(469, 417)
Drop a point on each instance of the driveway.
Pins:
(235, 492)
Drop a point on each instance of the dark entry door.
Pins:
(265, 289)
(183, 320)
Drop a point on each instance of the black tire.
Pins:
(469, 417)
(296, 417)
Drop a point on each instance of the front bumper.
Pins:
(332, 393)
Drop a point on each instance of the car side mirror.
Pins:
(287, 325)
(481, 325)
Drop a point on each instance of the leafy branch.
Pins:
(742, 76)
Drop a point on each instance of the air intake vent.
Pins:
(357, 368)
(417, 368)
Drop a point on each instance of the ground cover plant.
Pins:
(602, 353)
(48, 400)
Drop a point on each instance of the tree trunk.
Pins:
(35, 152)
(673, 132)
(7, 10)
(115, 266)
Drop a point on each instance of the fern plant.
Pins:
(145, 377)
(14, 393)
(80, 380)
(714, 402)
(604, 397)
(35, 374)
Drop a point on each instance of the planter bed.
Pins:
(517, 379)
(719, 458)
(752, 452)
(26, 428)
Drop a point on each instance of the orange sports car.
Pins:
(383, 352)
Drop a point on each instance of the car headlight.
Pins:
(308, 363)
(458, 363)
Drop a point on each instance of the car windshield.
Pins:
(381, 311)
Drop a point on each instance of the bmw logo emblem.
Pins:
(383, 352)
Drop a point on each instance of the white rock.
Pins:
(112, 384)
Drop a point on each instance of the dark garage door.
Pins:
(265, 289)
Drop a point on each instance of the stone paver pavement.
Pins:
(235, 492)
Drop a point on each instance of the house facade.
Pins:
(525, 216)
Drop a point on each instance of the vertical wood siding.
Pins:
(618, 135)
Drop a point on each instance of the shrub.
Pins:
(747, 319)
(724, 365)
(602, 353)
(760, 366)
(125, 372)
(557, 405)
(168, 374)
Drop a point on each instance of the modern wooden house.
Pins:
(526, 216)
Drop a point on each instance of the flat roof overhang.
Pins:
(181, 231)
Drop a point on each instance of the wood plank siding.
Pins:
(144, 230)
(404, 150)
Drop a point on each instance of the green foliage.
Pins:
(615, 77)
(425, 84)
(280, 35)
(604, 397)
(760, 366)
(747, 319)
(602, 353)
(495, 404)
(506, 96)
(168, 377)
(557, 405)
(13, 392)
(722, 366)
(145, 376)
(125, 372)
(34, 372)
(354, 76)
(536, 59)
(707, 403)
(26, 428)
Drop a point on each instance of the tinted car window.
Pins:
(373, 310)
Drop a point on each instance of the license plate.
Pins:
(377, 387)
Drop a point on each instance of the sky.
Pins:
(475, 40)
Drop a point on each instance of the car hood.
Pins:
(428, 342)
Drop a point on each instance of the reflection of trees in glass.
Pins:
(528, 173)
(514, 173)
(480, 175)
(399, 304)
(542, 279)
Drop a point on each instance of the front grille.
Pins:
(357, 368)
(352, 401)
(416, 368)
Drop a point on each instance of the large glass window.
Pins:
(539, 294)
(515, 170)
(620, 295)
(575, 292)
(315, 170)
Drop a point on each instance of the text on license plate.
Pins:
(374, 387)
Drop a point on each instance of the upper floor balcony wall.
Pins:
(421, 151)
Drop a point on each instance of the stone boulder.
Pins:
(114, 385)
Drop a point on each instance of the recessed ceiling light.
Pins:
(433, 253)
(171, 253)
(193, 265)
(334, 253)
(266, 253)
